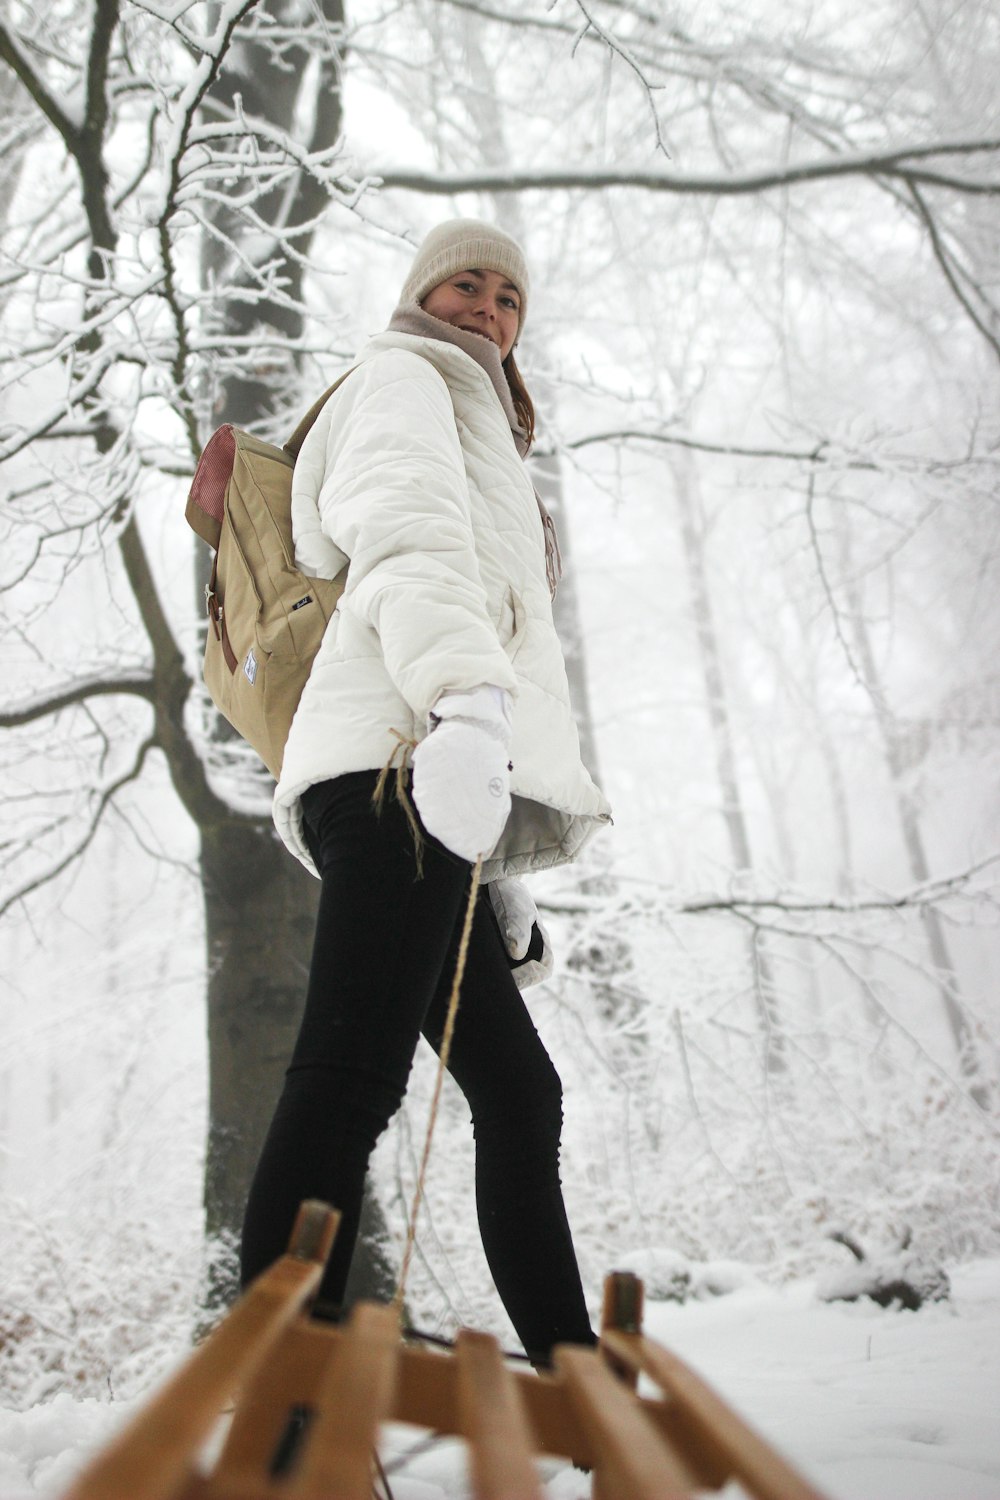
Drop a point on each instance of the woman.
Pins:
(443, 645)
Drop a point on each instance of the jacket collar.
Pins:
(410, 317)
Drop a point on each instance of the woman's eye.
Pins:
(509, 302)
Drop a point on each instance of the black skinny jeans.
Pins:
(381, 975)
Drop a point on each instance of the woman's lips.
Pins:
(483, 334)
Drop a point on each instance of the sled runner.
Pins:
(310, 1398)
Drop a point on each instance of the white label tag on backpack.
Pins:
(250, 667)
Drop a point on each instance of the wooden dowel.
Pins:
(355, 1397)
(633, 1461)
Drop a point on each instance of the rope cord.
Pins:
(441, 1341)
(381, 1488)
(449, 1031)
(398, 762)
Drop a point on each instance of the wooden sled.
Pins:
(310, 1398)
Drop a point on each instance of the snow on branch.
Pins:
(64, 115)
(618, 49)
(253, 161)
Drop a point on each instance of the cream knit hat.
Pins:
(466, 245)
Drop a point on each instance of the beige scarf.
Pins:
(410, 317)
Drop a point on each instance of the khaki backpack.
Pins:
(265, 617)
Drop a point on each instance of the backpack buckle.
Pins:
(213, 609)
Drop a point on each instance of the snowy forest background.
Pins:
(764, 340)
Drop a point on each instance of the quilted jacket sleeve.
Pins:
(394, 498)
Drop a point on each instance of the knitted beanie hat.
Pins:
(466, 245)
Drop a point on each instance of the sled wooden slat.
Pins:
(152, 1458)
(355, 1399)
(712, 1424)
(427, 1395)
(622, 1308)
(311, 1397)
(633, 1462)
(281, 1391)
(494, 1422)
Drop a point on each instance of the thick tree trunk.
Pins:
(260, 909)
(260, 904)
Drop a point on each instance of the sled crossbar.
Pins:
(277, 1406)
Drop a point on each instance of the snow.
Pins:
(871, 1404)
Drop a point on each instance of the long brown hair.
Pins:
(519, 395)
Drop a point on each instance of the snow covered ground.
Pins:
(871, 1404)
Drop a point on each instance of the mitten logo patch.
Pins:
(496, 786)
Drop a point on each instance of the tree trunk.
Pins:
(547, 473)
(955, 1014)
(260, 904)
(717, 705)
(260, 907)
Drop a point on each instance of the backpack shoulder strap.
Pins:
(298, 437)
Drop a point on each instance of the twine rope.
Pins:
(449, 1031)
(398, 762)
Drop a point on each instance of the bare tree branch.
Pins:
(172, 687)
(927, 893)
(914, 897)
(868, 688)
(14, 55)
(46, 704)
(944, 260)
(823, 453)
(104, 800)
(894, 162)
(619, 50)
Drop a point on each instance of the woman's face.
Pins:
(482, 302)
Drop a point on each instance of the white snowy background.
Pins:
(775, 416)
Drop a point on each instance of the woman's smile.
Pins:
(482, 302)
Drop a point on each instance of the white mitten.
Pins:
(517, 918)
(461, 771)
(533, 970)
(515, 912)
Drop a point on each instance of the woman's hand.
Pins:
(524, 937)
(461, 771)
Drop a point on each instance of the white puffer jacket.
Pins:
(411, 472)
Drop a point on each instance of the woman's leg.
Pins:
(515, 1095)
(382, 938)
